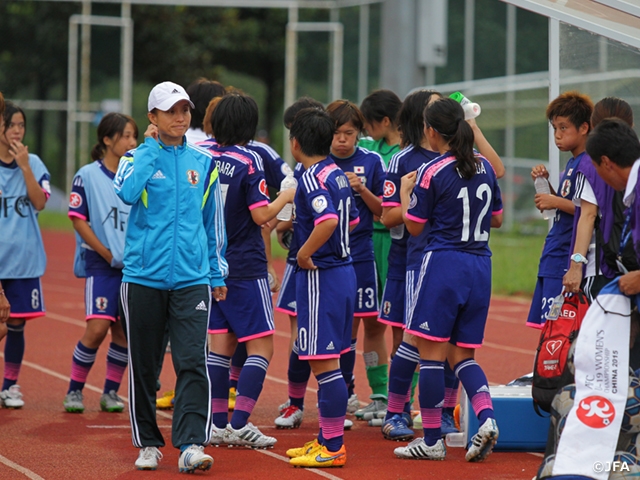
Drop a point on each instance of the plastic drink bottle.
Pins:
(471, 110)
(286, 212)
(542, 186)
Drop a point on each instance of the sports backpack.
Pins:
(551, 356)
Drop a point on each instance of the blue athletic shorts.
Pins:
(247, 311)
(287, 295)
(325, 299)
(452, 299)
(546, 290)
(101, 294)
(393, 305)
(366, 290)
(25, 297)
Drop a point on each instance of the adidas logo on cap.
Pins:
(175, 90)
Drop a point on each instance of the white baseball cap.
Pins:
(165, 95)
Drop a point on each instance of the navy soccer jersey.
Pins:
(369, 166)
(275, 169)
(459, 210)
(244, 188)
(406, 250)
(323, 193)
(555, 254)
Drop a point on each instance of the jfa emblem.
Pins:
(358, 170)
(101, 303)
(386, 307)
(596, 412)
(75, 200)
(389, 188)
(193, 177)
(263, 187)
(566, 186)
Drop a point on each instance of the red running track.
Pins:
(42, 441)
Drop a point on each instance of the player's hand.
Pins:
(629, 283)
(288, 194)
(152, 131)
(355, 181)
(276, 281)
(5, 309)
(305, 261)
(408, 182)
(539, 171)
(219, 294)
(573, 278)
(21, 153)
(545, 201)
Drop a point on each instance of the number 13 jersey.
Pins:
(458, 210)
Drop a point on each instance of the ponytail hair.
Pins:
(610, 107)
(112, 126)
(410, 117)
(446, 117)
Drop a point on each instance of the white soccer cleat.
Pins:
(217, 436)
(11, 397)
(353, 404)
(376, 409)
(248, 436)
(148, 458)
(194, 458)
(418, 450)
(482, 442)
(291, 417)
(347, 424)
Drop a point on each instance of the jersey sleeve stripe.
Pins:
(259, 204)
(390, 204)
(355, 221)
(76, 214)
(497, 212)
(328, 216)
(416, 219)
(432, 171)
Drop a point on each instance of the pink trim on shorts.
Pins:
(325, 217)
(497, 212)
(215, 332)
(389, 322)
(365, 314)
(257, 335)
(101, 317)
(539, 326)
(391, 204)
(413, 218)
(27, 316)
(76, 214)
(346, 350)
(259, 204)
(355, 221)
(319, 357)
(428, 337)
(288, 312)
(469, 345)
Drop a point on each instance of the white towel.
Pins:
(602, 379)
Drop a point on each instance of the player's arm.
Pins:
(5, 307)
(89, 237)
(372, 202)
(584, 232)
(319, 236)
(496, 220)
(135, 170)
(391, 216)
(265, 213)
(413, 224)
(485, 148)
(37, 196)
(629, 283)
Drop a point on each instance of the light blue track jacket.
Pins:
(176, 235)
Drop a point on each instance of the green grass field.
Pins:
(515, 256)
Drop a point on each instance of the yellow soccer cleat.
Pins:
(308, 447)
(321, 458)
(166, 401)
(232, 399)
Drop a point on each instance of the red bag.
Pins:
(551, 356)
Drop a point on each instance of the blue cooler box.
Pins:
(521, 428)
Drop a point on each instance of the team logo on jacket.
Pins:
(319, 204)
(566, 187)
(75, 200)
(596, 412)
(389, 188)
(193, 177)
(101, 303)
(358, 170)
(263, 187)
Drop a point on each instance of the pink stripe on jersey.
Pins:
(431, 417)
(332, 427)
(355, 221)
(468, 345)
(396, 402)
(428, 337)
(245, 404)
(497, 212)
(391, 204)
(241, 158)
(431, 171)
(325, 217)
(12, 371)
(481, 401)
(115, 372)
(297, 390)
(259, 204)
(219, 405)
(78, 372)
(100, 317)
(323, 174)
(257, 335)
(416, 219)
(76, 214)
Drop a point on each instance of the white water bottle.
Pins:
(286, 212)
(542, 186)
(471, 110)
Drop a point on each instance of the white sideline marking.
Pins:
(26, 472)
(310, 470)
(509, 349)
(536, 454)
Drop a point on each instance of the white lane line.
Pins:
(65, 319)
(25, 471)
(310, 470)
(509, 349)
(536, 454)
